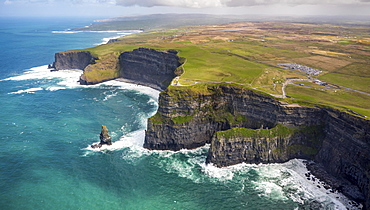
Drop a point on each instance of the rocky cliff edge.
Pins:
(243, 125)
(142, 66)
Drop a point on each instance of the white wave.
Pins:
(115, 31)
(106, 40)
(309, 188)
(282, 182)
(132, 142)
(29, 90)
(108, 96)
(184, 163)
(152, 93)
(119, 33)
(65, 32)
(74, 32)
(55, 88)
(212, 171)
(276, 181)
(42, 72)
(69, 79)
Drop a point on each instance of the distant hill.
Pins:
(166, 21)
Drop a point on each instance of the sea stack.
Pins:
(105, 138)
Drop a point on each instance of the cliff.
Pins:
(143, 66)
(275, 145)
(149, 67)
(188, 117)
(246, 126)
(73, 60)
(241, 125)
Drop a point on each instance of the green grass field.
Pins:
(248, 54)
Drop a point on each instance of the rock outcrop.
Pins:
(142, 66)
(105, 138)
(73, 60)
(149, 67)
(246, 126)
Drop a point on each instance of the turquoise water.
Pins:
(48, 121)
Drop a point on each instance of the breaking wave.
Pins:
(283, 182)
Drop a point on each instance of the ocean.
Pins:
(48, 121)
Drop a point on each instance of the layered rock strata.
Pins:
(73, 60)
(149, 67)
(246, 126)
(142, 66)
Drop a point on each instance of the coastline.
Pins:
(161, 89)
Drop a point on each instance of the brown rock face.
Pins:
(105, 138)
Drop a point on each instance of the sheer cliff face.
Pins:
(143, 66)
(189, 118)
(149, 67)
(275, 145)
(246, 126)
(73, 60)
(346, 150)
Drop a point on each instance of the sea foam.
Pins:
(285, 181)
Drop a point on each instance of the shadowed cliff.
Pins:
(73, 60)
(149, 67)
(142, 66)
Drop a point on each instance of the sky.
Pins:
(115, 8)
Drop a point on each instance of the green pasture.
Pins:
(248, 61)
(361, 83)
(343, 100)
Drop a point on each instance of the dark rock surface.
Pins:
(73, 60)
(221, 108)
(142, 66)
(189, 118)
(275, 145)
(149, 67)
(112, 40)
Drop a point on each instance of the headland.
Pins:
(223, 85)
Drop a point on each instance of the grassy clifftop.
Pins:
(249, 54)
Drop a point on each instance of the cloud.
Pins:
(231, 3)
(195, 3)
(176, 3)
